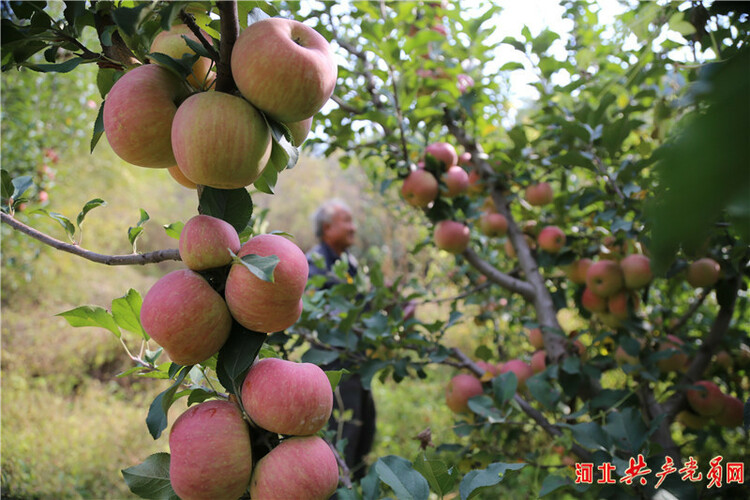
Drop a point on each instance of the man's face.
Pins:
(340, 232)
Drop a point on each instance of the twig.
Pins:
(190, 23)
(110, 260)
(346, 475)
(230, 30)
(508, 282)
(690, 312)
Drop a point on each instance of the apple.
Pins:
(451, 236)
(636, 271)
(299, 131)
(285, 68)
(43, 196)
(691, 420)
(592, 302)
(456, 180)
(210, 451)
(464, 159)
(489, 368)
(138, 114)
(184, 315)
(443, 152)
(260, 305)
(171, 43)
(420, 188)
(539, 194)
(536, 339)
(206, 242)
(521, 369)
(604, 278)
(576, 272)
(298, 468)
(707, 400)
(732, 413)
(617, 304)
(177, 175)
(476, 184)
(493, 224)
(678, 361)
(220, 140)
(287, 397)
(703, 273)
(551, 239)
(724, 359)
(538, 361)
(461, 388)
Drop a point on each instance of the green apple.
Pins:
(285, 68)
(220, 140)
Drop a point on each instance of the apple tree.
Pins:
(604, 224)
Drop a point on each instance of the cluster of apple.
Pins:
(186, 316)
(707, 401)
(210, 443)
(284, 70)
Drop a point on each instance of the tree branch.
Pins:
(230, 30)
(532, 412)
(118, 50)
(689, 313)
(110, 260)
(508, 282)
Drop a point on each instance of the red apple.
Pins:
(708, 400)
(138, 114)
(703, 273)
(536, 339)
(460, 389)
(604, 278)
(538, 361)
(493, 224)
(521, 369)
(287, 397)
(677, 362)
(576, 272)
(636, 271)
(184, 315)
(299, 131)
(618, 304)
(43, 196)
(551, 239)
(206, 242)
(420, 188)
(592, 302)
(724, 359)
(210, 451)
(539, 194)
(456, 180)
(285, 68)
(260, 305)
(220, 140)
(464, 158)
(451, 236)
(488, 367)
(732, 413)
(298, 468)
(172, 44)
(443, 152)
(177, 175)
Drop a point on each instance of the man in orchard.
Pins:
(335, 230)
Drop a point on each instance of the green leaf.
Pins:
(197, 47)
(127, 313)
(231, 205)
(21, 185)
(267, 181)
(320, 356)
(150, 479)
(70, 229)
(485, 407)
(182, 67)
(504, 387)
(262, 267)
(541, 389)
(477, 480)
(135, 231)
(440, 478)
(91, 316)
(157, 419)
(627, 429)
(129, 19)
(404, 480)
(552, 483)
(334, 377)
(174, 229)
(7, 185)
(98, 128)
(237, 355)
(89, 206)
(63, 67)
(590, 435)
(198, 396)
